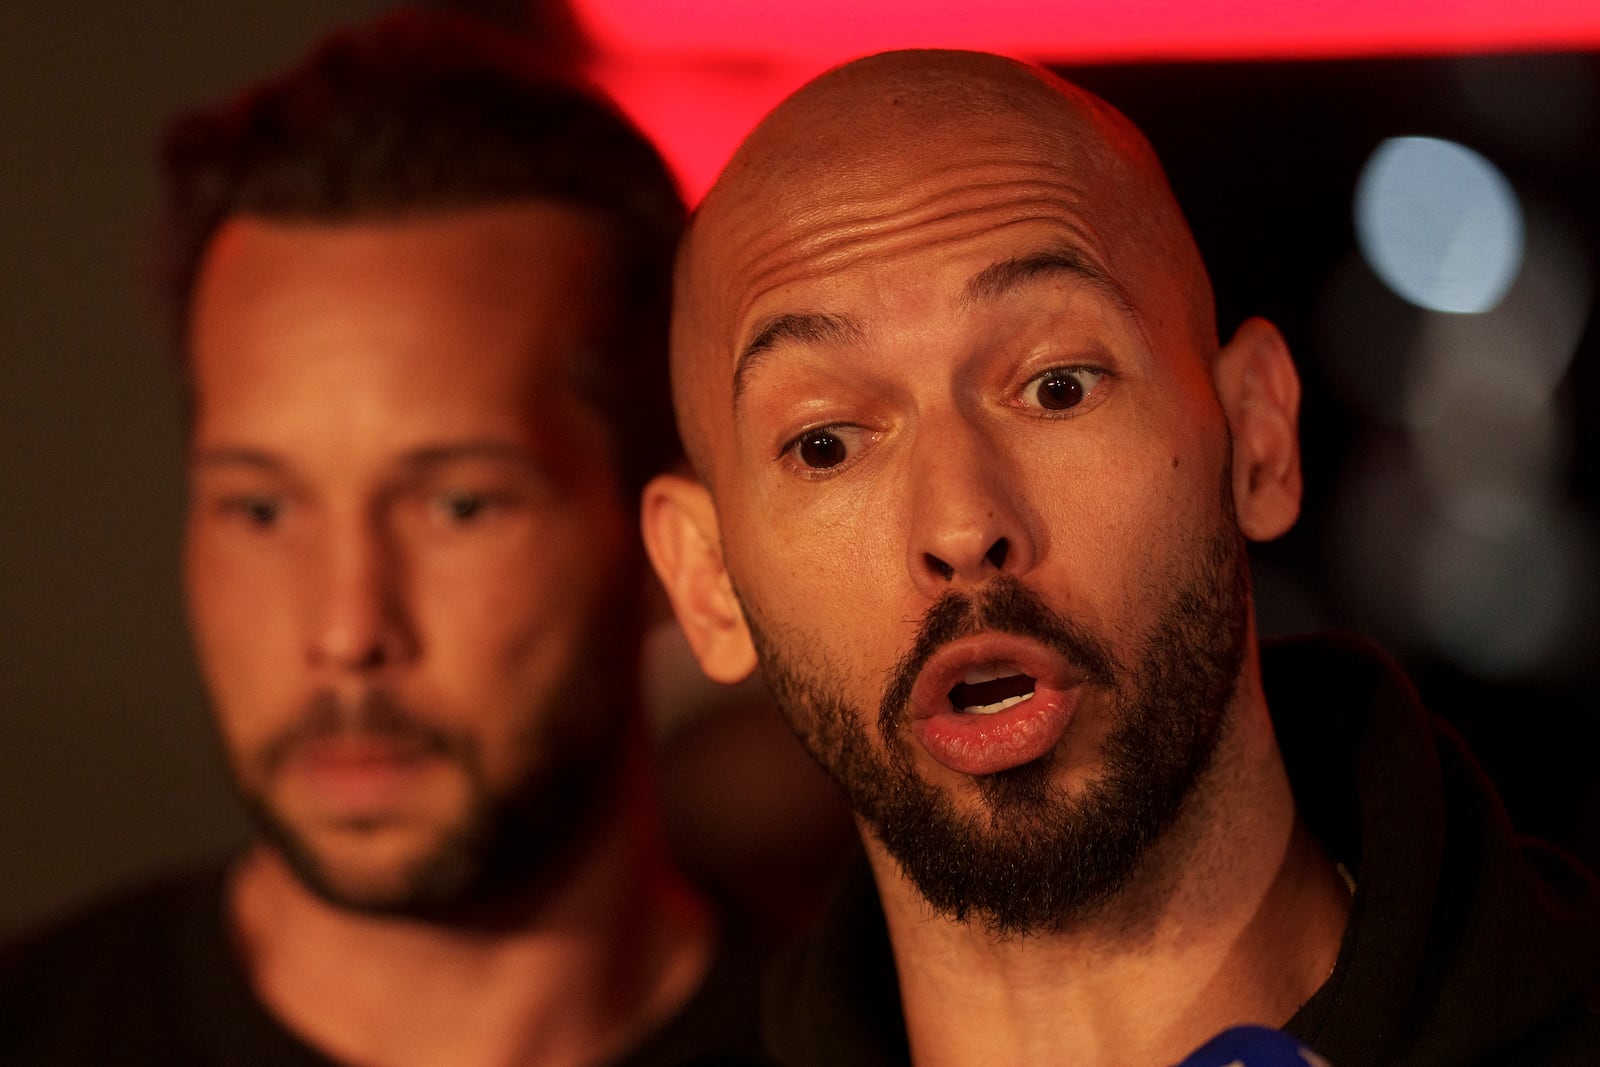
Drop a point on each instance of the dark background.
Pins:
(108, 770)
(107, 765)
(1265, 158)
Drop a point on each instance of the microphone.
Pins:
(1253, 1046)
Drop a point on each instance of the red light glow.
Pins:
(697, 74)
(826, 31)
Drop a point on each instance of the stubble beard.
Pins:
(1036, 859)
(498, 846)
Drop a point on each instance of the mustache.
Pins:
(1006, 606)
(377, 716)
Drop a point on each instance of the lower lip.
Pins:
(986, 744)
(369, 782)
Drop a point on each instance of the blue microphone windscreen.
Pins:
(1253, 1046)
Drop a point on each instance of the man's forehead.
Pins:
(912, 146)
(911, 119)
(897, 140)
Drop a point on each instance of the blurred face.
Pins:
(410, 567)
(972, 484)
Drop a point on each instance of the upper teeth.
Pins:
(986, 674)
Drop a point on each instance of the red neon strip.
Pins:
(1087, 30)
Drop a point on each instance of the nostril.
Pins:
(939, 566)
(997, 554)
(375, 657)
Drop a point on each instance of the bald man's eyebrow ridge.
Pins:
(802, 327)
(1001, 278)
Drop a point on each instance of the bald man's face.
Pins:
(972, 483)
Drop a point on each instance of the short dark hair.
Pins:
(422, 112)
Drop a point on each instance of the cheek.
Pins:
(839, 535)
(1168, 462)
(1143, 535)
(795, 569)
(243, 626)
(828, 589)
(521, 614)
(239, 601)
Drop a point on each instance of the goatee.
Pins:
(497, 846)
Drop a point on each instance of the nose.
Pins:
(969, 518)
(359, 618)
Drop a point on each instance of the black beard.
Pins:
(1035, 859)
(500, 847)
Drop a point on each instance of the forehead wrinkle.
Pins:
(831, 223)
(830, 249)
(1009, 275)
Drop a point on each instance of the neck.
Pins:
(1235, 916)
(580, 972)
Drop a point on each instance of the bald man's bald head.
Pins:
(946, 364)
(873, 108)
(858, 148)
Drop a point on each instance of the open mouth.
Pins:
(991, 701)
(987, 690)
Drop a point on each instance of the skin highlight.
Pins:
(879, 307)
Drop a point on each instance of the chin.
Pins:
(386, 880)
(378, 869)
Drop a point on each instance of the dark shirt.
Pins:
(151, 978)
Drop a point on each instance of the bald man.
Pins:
(972, 483)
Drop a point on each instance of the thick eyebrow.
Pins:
(802, 327)
(1001, 279)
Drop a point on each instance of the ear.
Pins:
(1260, 393)
(683, 539)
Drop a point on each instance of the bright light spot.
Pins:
(1439, 224)
(1452, 531)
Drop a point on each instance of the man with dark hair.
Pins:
(421, 291)
(972, 481)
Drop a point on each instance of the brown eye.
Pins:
(1059, 391)
(820, 449)
(1063, 388)
(259, 512)
(463, 507)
